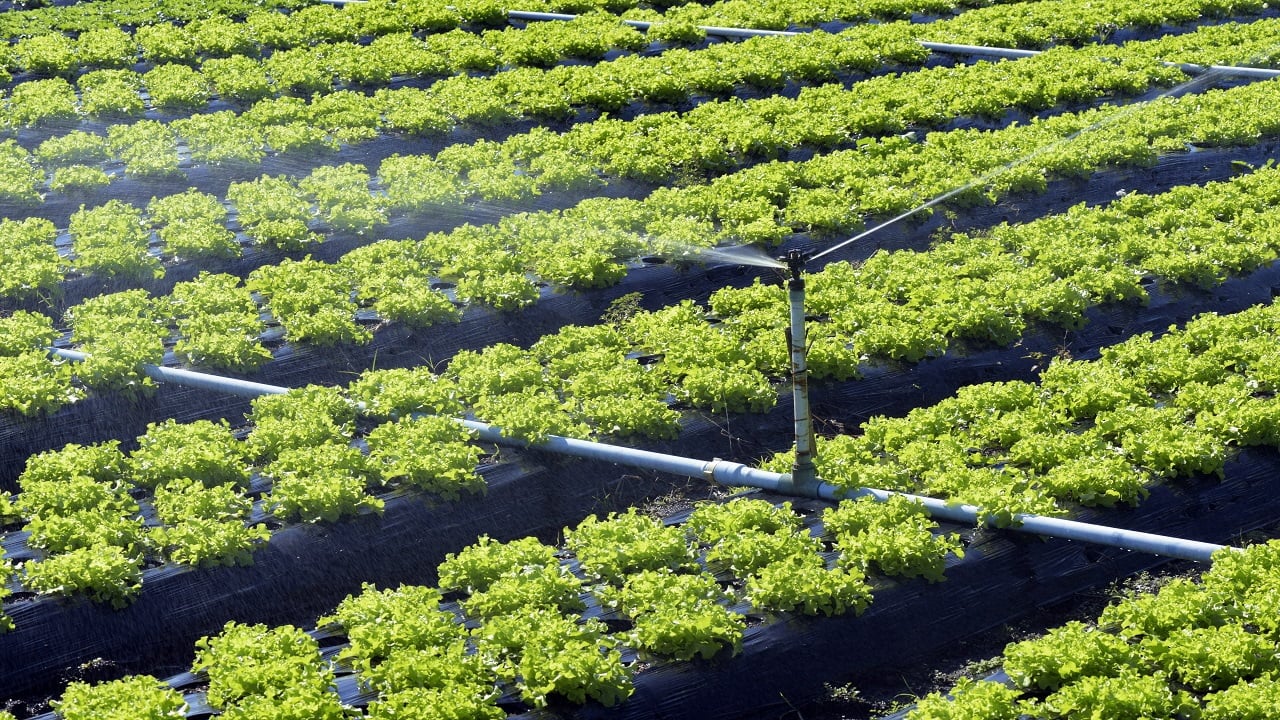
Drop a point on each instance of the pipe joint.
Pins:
(709, 471)
(802, 481)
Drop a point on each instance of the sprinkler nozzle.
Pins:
(795, 260)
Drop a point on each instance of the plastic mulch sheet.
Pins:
(306, 570)
(1003, 576)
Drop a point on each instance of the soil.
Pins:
(873, 698)
(886, 697)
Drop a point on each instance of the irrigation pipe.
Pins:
(1015, 54)
(736, 474)
(949, 48)
(188, 378)
(645, 25)
(739, 475)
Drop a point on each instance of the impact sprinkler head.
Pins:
(795, 260)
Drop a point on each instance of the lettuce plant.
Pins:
(399, 392)
(301, 418)
(48, 54)
(219, 324)
(545, 652)
(120, 332)
(104, 573)
(111, 93)
(323, 483)
(218, 139)
(431, 453)
(273, 212)
(106, 47)
(78, 178)
(34, 266)
(190, 224)
(20, 179)
(312, 300)
(176, 86)
(476, 567)
(75, 147)
(625, 543)
(112, 240)
(139, 697)
(380, 623)
(148, 148)
(201, 450)
(803, 583)
(970, 700)
(280, 664)
(896, 537)
(676, 615)
(206, 526)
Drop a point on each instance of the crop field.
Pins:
(321, 324)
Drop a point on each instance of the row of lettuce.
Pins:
(291, 124)
(151, 149)
(198, 494)
(123, 94)
(304, 52)
(111, 88)
(166, 31)
(119, 94)
(1205, 648)
(1091, 433)
(262, 26)
(529, 623)
(716, 138)
(522, 622)
(83, 17)
(278, 212)
(278, 37)
(225, 27)
(903, 305)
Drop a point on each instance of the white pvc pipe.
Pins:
(738, 475)
(1014, 53)
(1245, 72)
(1060, 528)
(188, 378)
(646, 24)
(955, 49)
(531, 15)
(722, 471)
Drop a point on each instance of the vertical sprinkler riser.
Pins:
(803, 474)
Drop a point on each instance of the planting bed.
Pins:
(415, 208)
